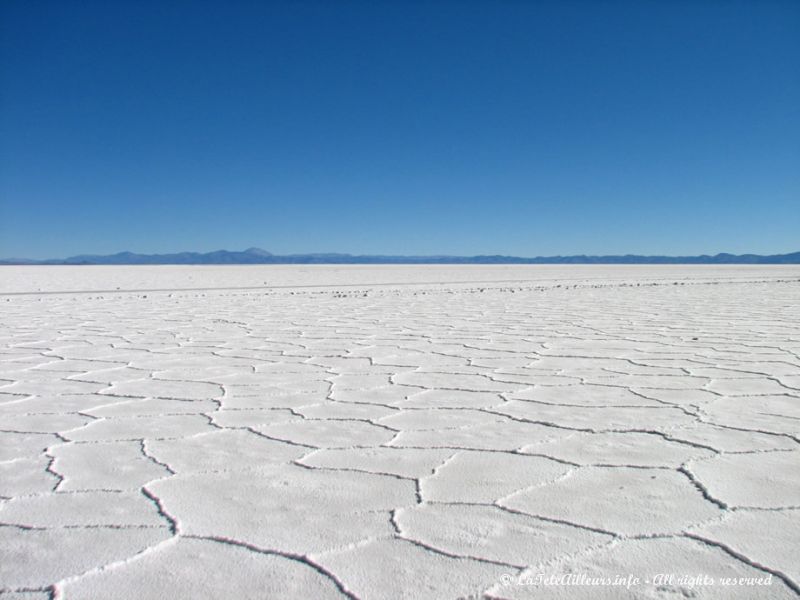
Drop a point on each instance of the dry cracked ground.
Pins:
(476, 434)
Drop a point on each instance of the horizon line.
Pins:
(255, 255)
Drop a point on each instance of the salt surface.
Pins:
(399, 432)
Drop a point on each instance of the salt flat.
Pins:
(400, 432)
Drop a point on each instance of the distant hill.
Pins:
(257, 256)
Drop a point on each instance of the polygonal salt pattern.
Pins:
(761, 535)
(625, 501)
(429, 440)
(198, 568)
(761, 480)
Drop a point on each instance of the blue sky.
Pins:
(525, 128)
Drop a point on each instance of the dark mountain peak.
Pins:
(257, 252)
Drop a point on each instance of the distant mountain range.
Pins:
(257, 256)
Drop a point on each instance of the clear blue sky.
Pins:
(525, 128)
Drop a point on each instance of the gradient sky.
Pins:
(525, 128)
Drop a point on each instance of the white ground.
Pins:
(399, 432)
